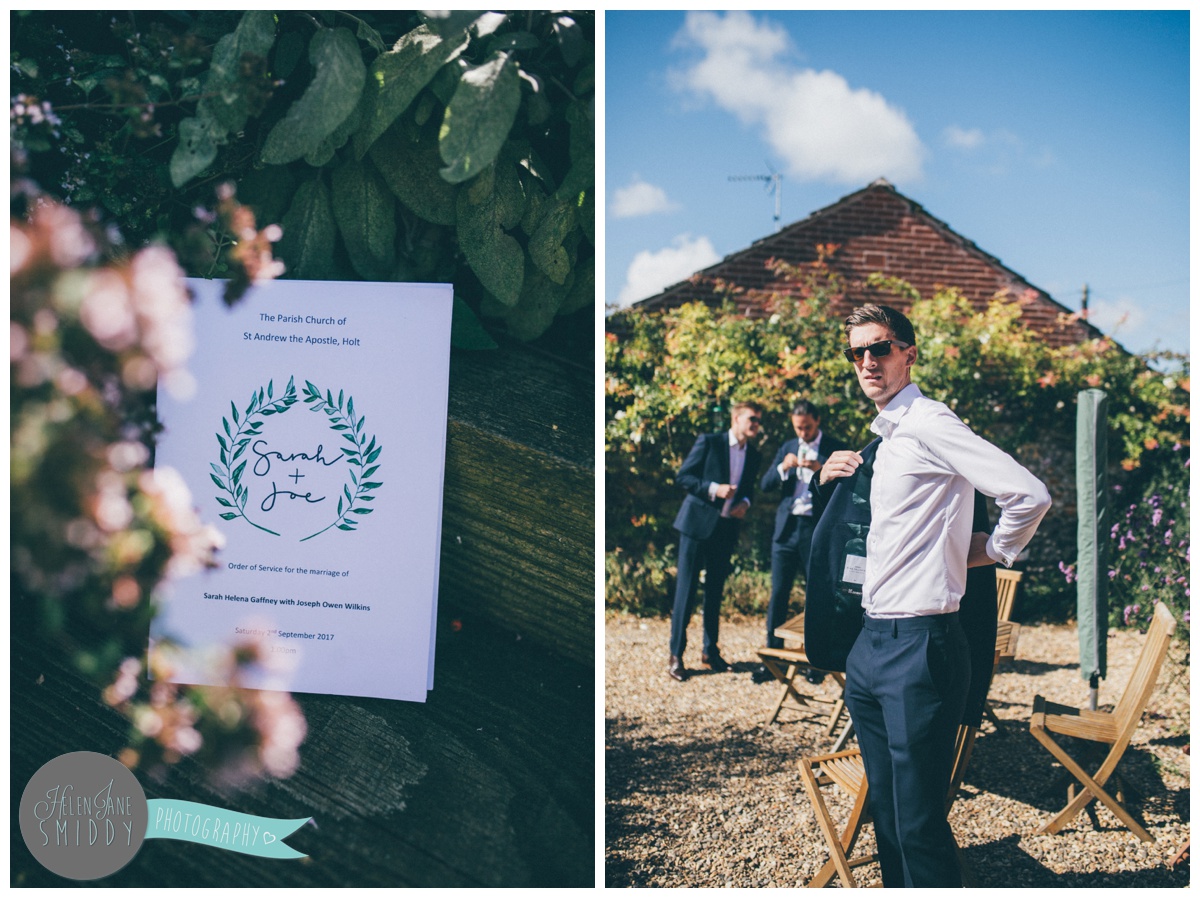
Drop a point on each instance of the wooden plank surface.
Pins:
(518, 525)
(488, 784)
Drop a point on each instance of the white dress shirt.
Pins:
(922, 502)
(802, 497)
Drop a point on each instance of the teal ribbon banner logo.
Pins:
(190, 821)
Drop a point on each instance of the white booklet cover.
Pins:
(316, 441)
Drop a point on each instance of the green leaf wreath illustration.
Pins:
(228, 474)
(362, 454)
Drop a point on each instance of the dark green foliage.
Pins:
(390, 146)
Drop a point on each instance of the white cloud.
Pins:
(651, 272)
(963, 138)
(815, 121)
(640, 198)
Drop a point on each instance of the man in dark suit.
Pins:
(719, 475)
(796, 463)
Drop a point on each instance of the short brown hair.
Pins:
(742, 406)
(886, 316)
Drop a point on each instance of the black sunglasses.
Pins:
(879, 350)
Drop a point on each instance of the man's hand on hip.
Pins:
(977, 555)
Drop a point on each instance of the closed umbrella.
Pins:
(1091, 480)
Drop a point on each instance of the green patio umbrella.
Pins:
(1091, 480)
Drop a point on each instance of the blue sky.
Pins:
(1057, 142)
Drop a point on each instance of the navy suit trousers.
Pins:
(713, 555)
(788, 557)
(906, 686)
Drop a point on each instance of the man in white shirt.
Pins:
(796, 463)
(718, 475)
(908, 673)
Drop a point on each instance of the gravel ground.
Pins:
(699, 793)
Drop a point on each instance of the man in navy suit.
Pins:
(796, 463)
(719, 475)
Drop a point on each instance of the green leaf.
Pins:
(582, 294)
(221, 440)
(329, 98)
(198, 140)
(365, 211)
(370, 471)
(466, 331)
(361, 510)
(540, 301)
(410, 164)
(225, 106)
(270, 389)
(224, 502)
(229, 515)
(339, 511)
(495, 256)
(217, 480)
(308, 233)
(451, 21)
(225, 424)
(586, 216)
(345, 527)
(350, 408)
(582, 173)
(370, 36)
(374, 455)
(225, 100)
(545, 244)
(371, 486)
(479, 117)
(237, 474)
(571, 42)
(396, 77)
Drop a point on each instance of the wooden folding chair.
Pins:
(1115, 728)
(786, 664)
(845, 770)
(1006, 591)
(1007, 636)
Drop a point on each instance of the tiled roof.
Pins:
(878, 229)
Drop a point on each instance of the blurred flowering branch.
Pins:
(95, 530)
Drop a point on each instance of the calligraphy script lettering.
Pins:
(264, 458)
(269, 502)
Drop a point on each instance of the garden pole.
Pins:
(1091, 482)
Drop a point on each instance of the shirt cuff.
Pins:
(996, 555)
(712, 491)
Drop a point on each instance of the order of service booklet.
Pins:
(315, 439)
